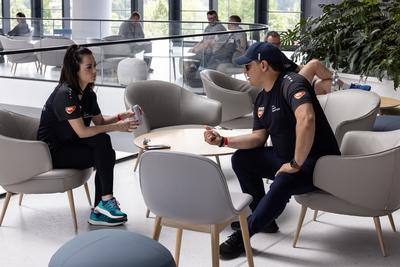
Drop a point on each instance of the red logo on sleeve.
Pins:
(299, 95)
(70, 109)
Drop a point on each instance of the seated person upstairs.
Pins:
(21, 28)
(314, 71)
(132, 29)
(204, 49)
(233, 47)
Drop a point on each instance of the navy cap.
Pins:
(262, 51)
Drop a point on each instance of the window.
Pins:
(244, 9)
(52, 9)
(23, 6)
(1, 14)
(194, 11)
(155, 10)
(121, 10)
(283, 14)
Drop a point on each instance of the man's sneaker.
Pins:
(269, 228)
(101, 219)
(364, 87)
(110, 208)
(233, 247)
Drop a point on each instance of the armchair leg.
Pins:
(379, 234)
(21, 196)
(392, 222)
(315, 215)
(157, 228)
(5, 205)
(138, 159)
(179, 232)
(15, 68)
(246, 238)
(215, 245)
(72, 207)
(88, 194)
(218, 161)
(299, 224)
(147, 213)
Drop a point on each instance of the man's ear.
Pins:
(264, 65)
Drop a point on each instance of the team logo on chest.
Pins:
(260, 112)
(70, 109)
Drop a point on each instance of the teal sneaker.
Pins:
(110, 208)
(101, 219)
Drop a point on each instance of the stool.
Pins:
(131, 70)
(104, 248)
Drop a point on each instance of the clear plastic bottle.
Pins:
(335, 82)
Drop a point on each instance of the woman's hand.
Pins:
(212, 137)
(127, 125)
(125, 115)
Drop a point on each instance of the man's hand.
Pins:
(212, 137)
(286, 168)
(126, 115)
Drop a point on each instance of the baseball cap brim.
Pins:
(243, 60)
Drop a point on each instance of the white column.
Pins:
(91, 9)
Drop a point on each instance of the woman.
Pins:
(73, 142)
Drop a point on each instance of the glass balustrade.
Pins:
(171, 51)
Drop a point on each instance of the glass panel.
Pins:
(52, 9)
(1, 15)
(16, 6)
(194, 11)
(121, 10)
(244, 9)
(155, 10)
(283, 14)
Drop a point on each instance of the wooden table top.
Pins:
(388, 102)
(188, 140)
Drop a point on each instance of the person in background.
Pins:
(314, 71)
(72, 125)
(210, 43)
(132, 29)
(234, 46)
(21, 28)
(288, 110)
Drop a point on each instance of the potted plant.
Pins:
(356, 36)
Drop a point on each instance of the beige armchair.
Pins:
(167, 104)
(26, 166)
(237, 98)
(364, 181)
(15, 59)
(189, 192)
(53, 57)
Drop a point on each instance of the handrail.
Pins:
(125, 41)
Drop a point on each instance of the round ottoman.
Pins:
(105, 248)
(131, 70)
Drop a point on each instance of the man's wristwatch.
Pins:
(294, 164)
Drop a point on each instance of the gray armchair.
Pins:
(237, 98)
(364, 181)
(26, 166)
(167, 104)
(10, 44)
(189, 192)
(53, 57)
(350, 110)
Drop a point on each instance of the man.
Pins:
(286, 109)
(314, 71)
(234, 46)
(132, 29)
(21, 28)
(210, 43)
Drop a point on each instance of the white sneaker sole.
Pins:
(100, 223)
(107, 213)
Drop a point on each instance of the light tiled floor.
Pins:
(33, 232)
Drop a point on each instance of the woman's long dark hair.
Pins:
(69, 71)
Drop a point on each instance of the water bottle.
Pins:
(335, 82)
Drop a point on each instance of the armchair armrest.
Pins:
(369, 181)
(22, 159)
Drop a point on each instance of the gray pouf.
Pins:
(106, 248)
(385, 123)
